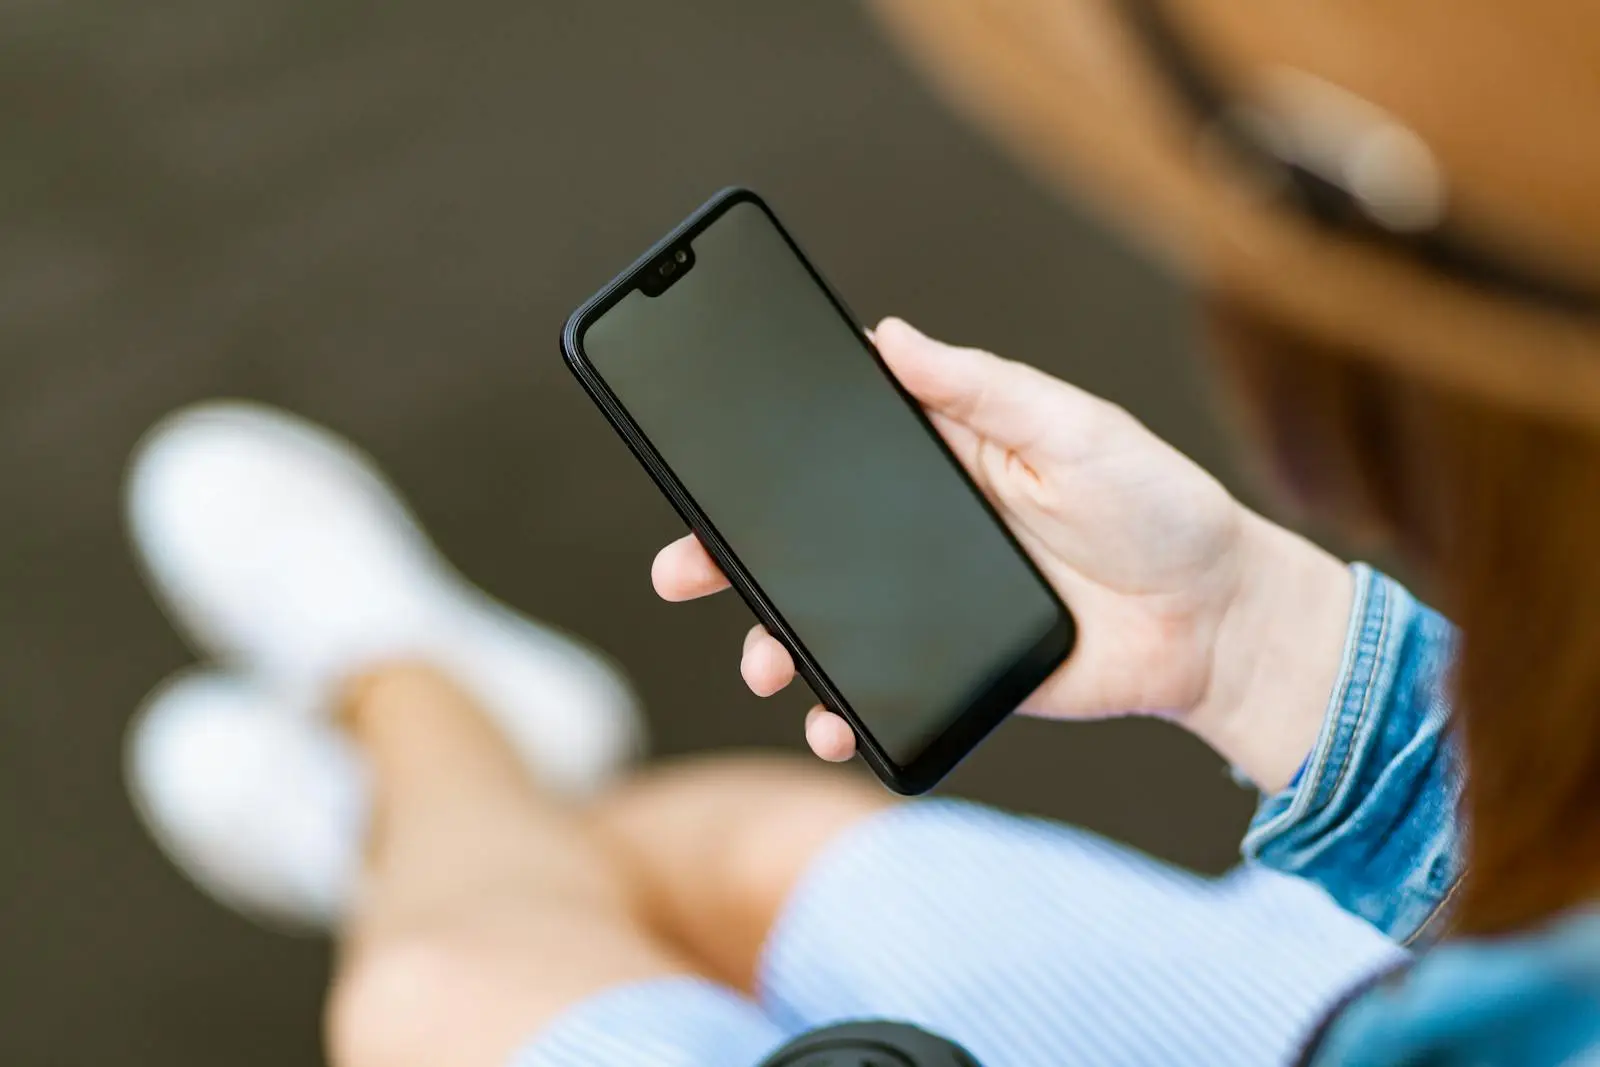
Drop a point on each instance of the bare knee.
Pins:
(767, 779)
(751, 820)
(719, 842)
(400, 1005)
(471, 993)
(782, 813)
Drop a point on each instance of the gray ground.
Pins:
(378, 215)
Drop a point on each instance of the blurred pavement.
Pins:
(378, 216)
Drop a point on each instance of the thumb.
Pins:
(1009, 403)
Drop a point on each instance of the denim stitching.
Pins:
(1314, 774)
(1434, 913)
(1259, 838)
(1366, 697)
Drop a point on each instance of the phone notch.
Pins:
(667, 269)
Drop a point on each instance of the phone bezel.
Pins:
(993, 701)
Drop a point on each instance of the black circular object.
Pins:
(871, 1044)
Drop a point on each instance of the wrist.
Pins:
(1276, 654)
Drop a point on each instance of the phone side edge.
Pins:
(721, 200)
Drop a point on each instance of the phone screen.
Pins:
(825, 482)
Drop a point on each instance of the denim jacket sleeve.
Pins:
(1372, 815)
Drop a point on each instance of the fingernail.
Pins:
(893, 323)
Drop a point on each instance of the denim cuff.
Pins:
(1372, 815)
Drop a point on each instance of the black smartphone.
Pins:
(761, 409)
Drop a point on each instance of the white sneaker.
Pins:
(264, 810)
(278, 550)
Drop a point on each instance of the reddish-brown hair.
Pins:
(1501, 513)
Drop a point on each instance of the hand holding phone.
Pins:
(1183, 595)
(751, 397)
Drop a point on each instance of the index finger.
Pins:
(684, 570)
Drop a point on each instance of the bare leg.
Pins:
(485, 908)
(715, 844)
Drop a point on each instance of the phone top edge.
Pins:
(698, 219)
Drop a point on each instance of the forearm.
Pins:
(1276, 655)
(1329, 692)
